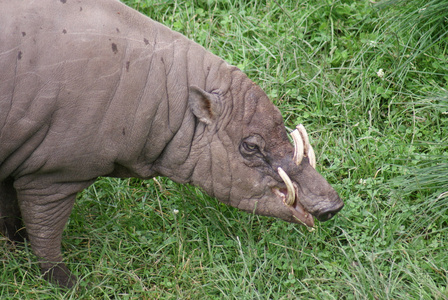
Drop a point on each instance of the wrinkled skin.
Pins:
(93, 88)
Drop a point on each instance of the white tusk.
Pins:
(298, 146)
(289, 186)
(312, 157)
(309, 151)
(304, 134)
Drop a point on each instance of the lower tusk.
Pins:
(298, 147)
(289, 186)
(311, 156)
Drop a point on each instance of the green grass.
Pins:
(382, 142)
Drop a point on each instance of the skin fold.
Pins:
(94, 88)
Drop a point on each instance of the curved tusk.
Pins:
(309, 151)
(311, 156)
(298, 146)
(289, 186)
(304, 135)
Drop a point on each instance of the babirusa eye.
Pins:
(250, 147)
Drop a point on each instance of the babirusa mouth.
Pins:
(289, 199)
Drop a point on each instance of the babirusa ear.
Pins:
(205, 106)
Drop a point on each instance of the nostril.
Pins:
(328, 214)
(325, 216)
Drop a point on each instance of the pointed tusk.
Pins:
(308, 149)
(312, 157)
(304, 134)
(289, 186)
(298, 146)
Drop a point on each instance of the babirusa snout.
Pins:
(302, 146)
(309, 194)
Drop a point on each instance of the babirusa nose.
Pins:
(327, 214)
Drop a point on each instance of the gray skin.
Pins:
(94, 88)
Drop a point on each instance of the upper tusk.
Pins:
(289, 186)
(312, 157)
(307, 148)
(298, 146)
(304, 134)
